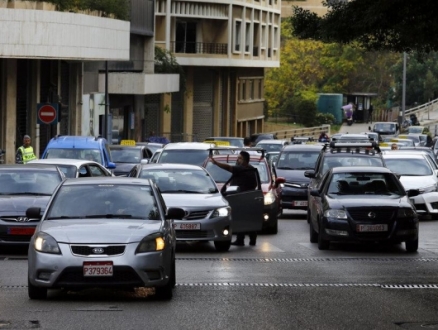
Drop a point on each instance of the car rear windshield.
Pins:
(411, 167)
(75, 153)
(350, 160)
(103, 200)
(221, 176)
(20, 182)
(181, 180)
(297, 160)
(126, 155)
(270, 146)
(184, 156)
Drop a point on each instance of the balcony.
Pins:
(198, 48)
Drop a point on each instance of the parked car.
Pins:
(190, 187)
(194, 153)
(126, 157)
(362, 204)
(20, 187)
(269, 185)
(416, 171)
(135, 245)
(385, 128)
(80, 147)
(272, 145)
(233, 140)
(292, 163)
(75, 168)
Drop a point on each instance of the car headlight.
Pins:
(269, 198)
(151, 243)
(221, 212)
(46, 243)
(406, 213)
(427, 189)
(337, 214)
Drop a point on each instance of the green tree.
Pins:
(394, 25)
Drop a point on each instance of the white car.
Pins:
(417, 172)
(75, 168)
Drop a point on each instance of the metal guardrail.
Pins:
(305, 131)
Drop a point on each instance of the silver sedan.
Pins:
(103, 233)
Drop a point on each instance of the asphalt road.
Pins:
(284, 282)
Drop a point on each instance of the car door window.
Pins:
(84, 172)
(96, 170)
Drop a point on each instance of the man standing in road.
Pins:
(25, 153)
(242, 176)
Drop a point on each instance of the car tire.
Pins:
(313, 234)
(166, 292)
(36, 292)
(222, 246)
(411, 245)
(308, 216)
(274, 228)
(323, 244)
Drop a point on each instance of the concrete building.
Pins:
(58, 58)
(224, 47)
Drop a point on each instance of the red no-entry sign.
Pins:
(47, 113)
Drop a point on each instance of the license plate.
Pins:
(98, 268)
(187, 226)
(28, 231)
(371, 228)
(300, 203)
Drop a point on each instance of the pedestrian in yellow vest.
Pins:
(25, 152)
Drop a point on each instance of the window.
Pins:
(263, 39)
(237, 35)
(247, 37)
(275, 41)
(243, 89)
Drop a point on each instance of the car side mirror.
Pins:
(413, 192)
(315, 193)
(33, 212)
(144, 161)
(111, 166)
(309, 174)
(175, 213)
(279, 181)
(231, 190)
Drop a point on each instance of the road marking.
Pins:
(377, 259)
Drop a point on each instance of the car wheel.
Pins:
(322, 243)
(166, 292)
(411, 245)
(274, 228)
(36, 292)
(222, 246)
(173, 273)
(313, 234)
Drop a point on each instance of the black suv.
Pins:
(338, 154)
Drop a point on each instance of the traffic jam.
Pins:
(144, 199)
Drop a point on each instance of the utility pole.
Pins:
(105, 119)
(404, 87)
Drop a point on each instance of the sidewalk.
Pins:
(355, 128)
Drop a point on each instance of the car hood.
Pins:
(371, 201)
(124, 167)
(292, 175)
(84, 231)
(202, 201)
(416, 182)
(18, 204)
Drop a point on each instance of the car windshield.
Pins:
(126, 155)
(191, 181)
(184, 156)
(385, 127)
(364, 184)
(89, 201)
(68, 170)
(221, 176)
(350, 160)
(409, 166)
(75, 153)
(297, 160)
(413, 129)
(29, 182)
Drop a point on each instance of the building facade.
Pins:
(224, 47)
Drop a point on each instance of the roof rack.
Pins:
(352, 147)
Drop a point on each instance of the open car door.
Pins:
(246, 208)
